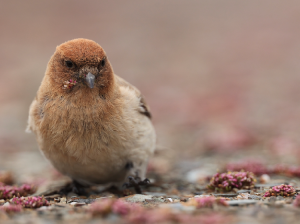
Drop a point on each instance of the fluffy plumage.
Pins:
(91, 134)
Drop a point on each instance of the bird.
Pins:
(92, 125)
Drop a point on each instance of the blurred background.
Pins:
(222, 78)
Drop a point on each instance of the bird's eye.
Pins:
(69, 64)
(103, 61)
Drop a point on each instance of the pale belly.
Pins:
(99, 162)
(97, 171)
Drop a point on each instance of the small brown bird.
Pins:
(92, 125)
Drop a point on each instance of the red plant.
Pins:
(7, 192)
(69, 84)
(227, 181)
(30, 202)
(281, 190)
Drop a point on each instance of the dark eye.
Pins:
(103, 61)
(69, 64)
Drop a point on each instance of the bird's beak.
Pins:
(90, 80)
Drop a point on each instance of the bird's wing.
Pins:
(143, 107)
(31, 125)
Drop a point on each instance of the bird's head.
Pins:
(80, 63)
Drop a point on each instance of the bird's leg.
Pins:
(66, 189)
(77, 188)
(74, 187)
(136, 182)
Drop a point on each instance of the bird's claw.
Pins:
(145, 182)
(74, 187)
(136, 182)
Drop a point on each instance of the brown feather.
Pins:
(90, 134)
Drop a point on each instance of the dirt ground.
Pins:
(221, 77)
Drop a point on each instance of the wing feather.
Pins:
(144, 108)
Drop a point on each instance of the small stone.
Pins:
(6, 204)
(243, 191)
(272, 199)
(85, 201)
(243, 196)
(279, 198)
(158, 199)
(254, 197)
(178, 207)
(138, 198)
(43, 208)
(154, 193)
(78, 204)
(241, 202)
(183, 199)
(226, 195)
(170, 199)
(265, 178)
(174, 196)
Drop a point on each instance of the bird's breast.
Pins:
(84, 132)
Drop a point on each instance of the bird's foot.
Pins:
(77, 188)
(136, 183)
(74, 187)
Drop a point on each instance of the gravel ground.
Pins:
(221, 78)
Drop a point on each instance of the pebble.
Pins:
(241, 202)
(178, 207)
(243, 191)
(6, 204)
(272, 199)
(254, 197)
(158, 199)
(243, 196)
(79, 204)
(174, 196)
(63, 200)
(138, 198)
(154, 193)
(85, 201)
(183, 199)
(279, 198)
(170, 199)
(201, 196)
(230, 195)
(265, 178)
(43, 208)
